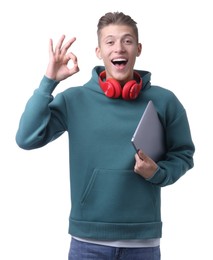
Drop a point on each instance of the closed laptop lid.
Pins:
(149, 134)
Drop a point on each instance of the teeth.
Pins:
(118, 60)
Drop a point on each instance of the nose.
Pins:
(119, 47)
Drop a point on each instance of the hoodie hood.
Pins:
(94, 85)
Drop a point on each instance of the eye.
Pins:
(109, 42)
(127, 41)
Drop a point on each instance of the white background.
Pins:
(34, 185)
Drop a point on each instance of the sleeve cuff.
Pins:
(47, 85)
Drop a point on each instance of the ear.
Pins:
(98, 53)
(139, 49)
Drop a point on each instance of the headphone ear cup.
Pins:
(110, 87)
(115, 90)
(131, 90)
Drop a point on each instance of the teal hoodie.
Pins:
(108, 200)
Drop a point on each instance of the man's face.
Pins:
(118, 47)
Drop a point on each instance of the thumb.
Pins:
(142, 155)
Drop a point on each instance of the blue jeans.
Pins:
(82, 251)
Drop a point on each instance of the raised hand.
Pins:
(59, 57)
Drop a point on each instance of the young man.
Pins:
(115, 193)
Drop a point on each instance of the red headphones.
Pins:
(113, 89)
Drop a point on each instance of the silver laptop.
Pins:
(149, 134)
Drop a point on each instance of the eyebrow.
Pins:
(123, 36)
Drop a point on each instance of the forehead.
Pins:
(114, 30)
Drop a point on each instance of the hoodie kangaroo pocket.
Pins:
(120, 196)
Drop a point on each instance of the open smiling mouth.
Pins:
(119, 62)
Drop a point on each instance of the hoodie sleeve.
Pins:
(38, 124)
(180, 147)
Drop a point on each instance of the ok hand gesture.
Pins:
(57, 68)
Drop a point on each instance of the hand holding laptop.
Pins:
(144, 165)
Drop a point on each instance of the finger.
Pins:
(136, 168)
(59, 44)
(74, 63)
(67, 46)
(50, 47)
(142, 155)
(73, 58)
(137, 158)
(70, 57)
